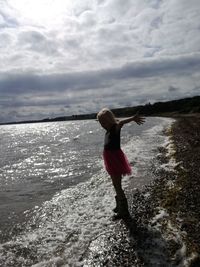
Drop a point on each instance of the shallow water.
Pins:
(54, 189)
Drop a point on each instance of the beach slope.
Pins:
(164, 229)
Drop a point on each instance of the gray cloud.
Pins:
(37, 42)
(7, 21)
(20, 83)
(172, 88)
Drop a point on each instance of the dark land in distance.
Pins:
(168, 108)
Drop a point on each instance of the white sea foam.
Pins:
(141, 151)
(162, 222)
(69, 221)
(171, 235)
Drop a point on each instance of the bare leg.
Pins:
(122, 205)
(117, 183)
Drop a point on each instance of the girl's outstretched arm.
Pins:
(138, 119)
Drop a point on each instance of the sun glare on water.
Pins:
(41, 11)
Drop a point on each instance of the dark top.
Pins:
(112, 138)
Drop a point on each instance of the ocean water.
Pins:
(55, 197)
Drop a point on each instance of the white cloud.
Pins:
(70, 47)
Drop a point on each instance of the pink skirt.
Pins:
(116, 162)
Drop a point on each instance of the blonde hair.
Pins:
(106, 115)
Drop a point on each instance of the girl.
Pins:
(115, 160)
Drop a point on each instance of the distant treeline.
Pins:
(181, 106)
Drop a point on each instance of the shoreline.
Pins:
(186, 138)
(168, 108)
(165, 228)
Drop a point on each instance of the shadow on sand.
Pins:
(150, 247)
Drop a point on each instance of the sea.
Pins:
(55, 196)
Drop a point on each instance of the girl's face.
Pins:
(107, 121)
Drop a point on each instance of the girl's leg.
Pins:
(117, 183)
(121, 201)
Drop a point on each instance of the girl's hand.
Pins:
(138, 119)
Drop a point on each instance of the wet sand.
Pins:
(164, 229)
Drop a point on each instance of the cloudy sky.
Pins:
(63, 57)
